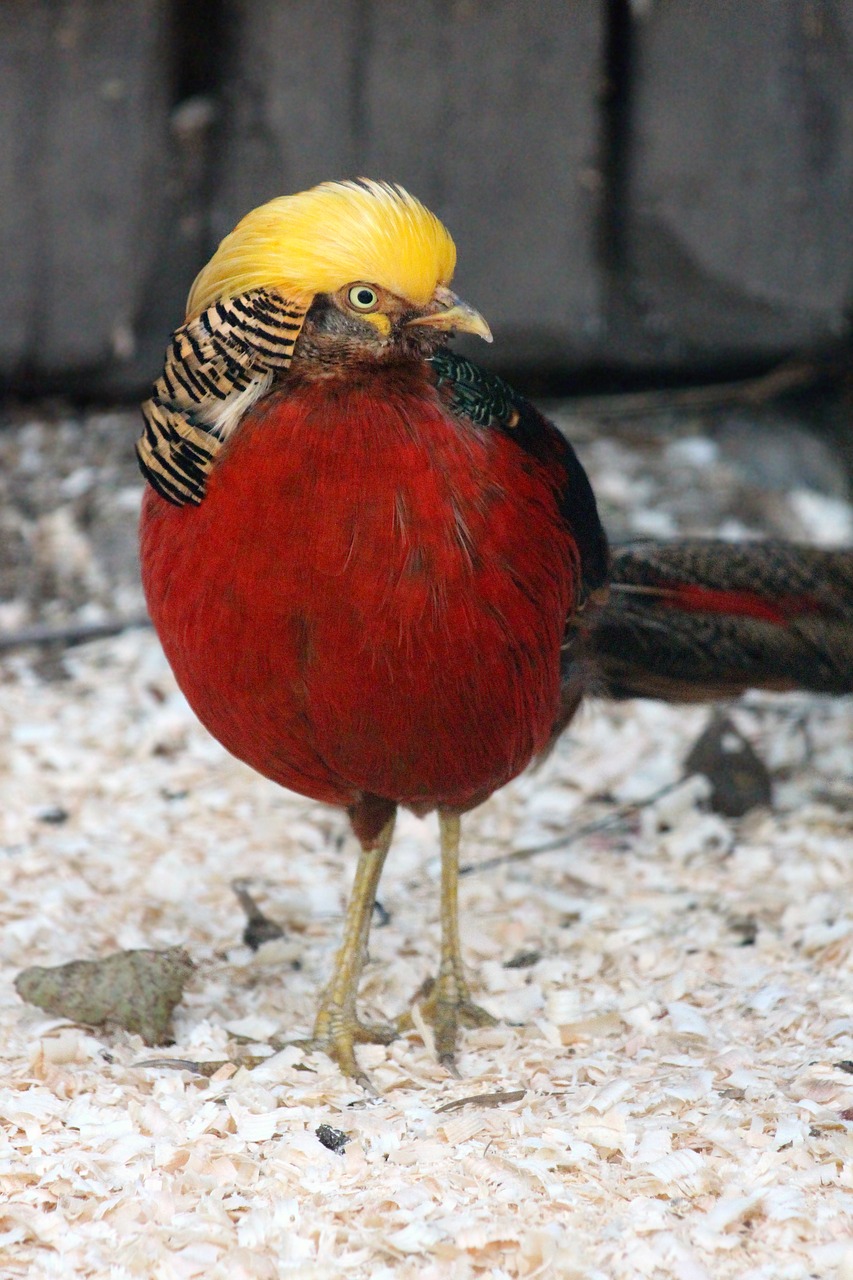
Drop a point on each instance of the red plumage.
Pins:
(692, 598)
(371, 598)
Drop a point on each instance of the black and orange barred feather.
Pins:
(217, 365)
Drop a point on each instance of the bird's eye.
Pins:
(362, 297)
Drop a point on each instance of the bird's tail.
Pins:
(701, 619)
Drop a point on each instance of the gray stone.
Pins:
(739, 778)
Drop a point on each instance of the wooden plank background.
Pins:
(741, 185)
(664, 184)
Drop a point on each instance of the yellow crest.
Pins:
(319, 240)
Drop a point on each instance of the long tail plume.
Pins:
(699, 620)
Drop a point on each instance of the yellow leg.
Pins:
(337, 1029)
(448, 1004)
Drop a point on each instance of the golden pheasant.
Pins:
(374, 568)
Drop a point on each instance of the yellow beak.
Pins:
(455, 314)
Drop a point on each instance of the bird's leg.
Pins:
(448, 1003)
(337, 1029)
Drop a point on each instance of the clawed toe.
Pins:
(336, 1035)
(374, 1033)
(447, 1006)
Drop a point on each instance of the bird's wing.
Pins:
(472, 393)
(217, 365)
(703, 619)
(485, 399)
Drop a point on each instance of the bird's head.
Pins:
(317, 284)
(365, 266)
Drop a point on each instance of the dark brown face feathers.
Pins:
(333, 340)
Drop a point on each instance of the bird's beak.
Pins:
(453, 313)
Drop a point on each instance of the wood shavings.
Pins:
(684, 1108)
(597, 1024)
(687, 1021)
(682, 1172)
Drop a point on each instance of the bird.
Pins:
(378, 572)
(365, 557)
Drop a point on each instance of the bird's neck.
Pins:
(320, 353)
(395, 370)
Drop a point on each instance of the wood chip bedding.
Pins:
(670, 1090)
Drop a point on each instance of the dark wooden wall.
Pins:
(665, 184)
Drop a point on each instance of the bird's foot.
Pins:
(446, 1004)
(337, 1032)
